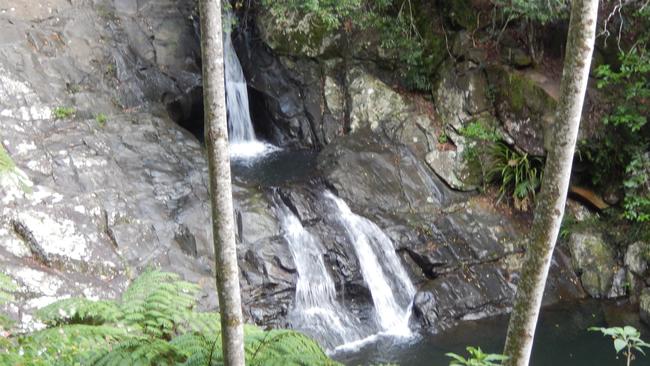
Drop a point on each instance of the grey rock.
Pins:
(594, 259)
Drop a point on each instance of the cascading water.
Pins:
(316, 311)
(390, 287)
(241, 133)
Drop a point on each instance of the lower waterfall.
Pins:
(317, 311)
(390, 286)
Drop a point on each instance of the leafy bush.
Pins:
(626, 339)
(476, 358)
(153, 324)
(517, 174)
(393, 20)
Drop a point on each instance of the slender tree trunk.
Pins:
(552, 198)
(216, 139)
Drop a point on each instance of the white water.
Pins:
(315, 310)
(243, 144)
(390, 286)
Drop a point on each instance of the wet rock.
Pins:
(287, 94)
(370, 174)
(594, 260)
(376, 107)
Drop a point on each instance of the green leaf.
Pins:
(619, 344)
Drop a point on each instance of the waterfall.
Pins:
(241, 134)
(316, 311)
(390, 287)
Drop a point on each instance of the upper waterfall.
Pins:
(241, 134)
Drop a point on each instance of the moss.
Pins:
(297, 35)
(520, 94)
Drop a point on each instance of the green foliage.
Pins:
(477, 130)
(637, 189)
(6, 288)
(153, 324)
(394, 21)
(476, 358)
(517, 174)
(63, 112)
(79, 311)
(443, 138)
(626, 339)
(101, 119)
(624, 146)
(330, 13)
(542, 11)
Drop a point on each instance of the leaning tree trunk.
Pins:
(216, 138)
(552, 198)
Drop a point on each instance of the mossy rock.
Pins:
(525, 109)
(594, 260)
(298, 34)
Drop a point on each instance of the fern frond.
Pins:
(204, 323)
(155, 300)
(140, 351)
(79, 311)
(199, 349)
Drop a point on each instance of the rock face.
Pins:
(463, 253)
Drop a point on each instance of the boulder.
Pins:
(636, 258)
(297, 34)
(377, 107)
(524, 107)
(594, 260)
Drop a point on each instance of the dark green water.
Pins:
(276, 168)
(561, 339)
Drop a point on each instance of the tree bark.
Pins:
(216, 139)
(560, 145)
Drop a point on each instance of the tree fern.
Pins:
(155, 300)
(153, 324)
